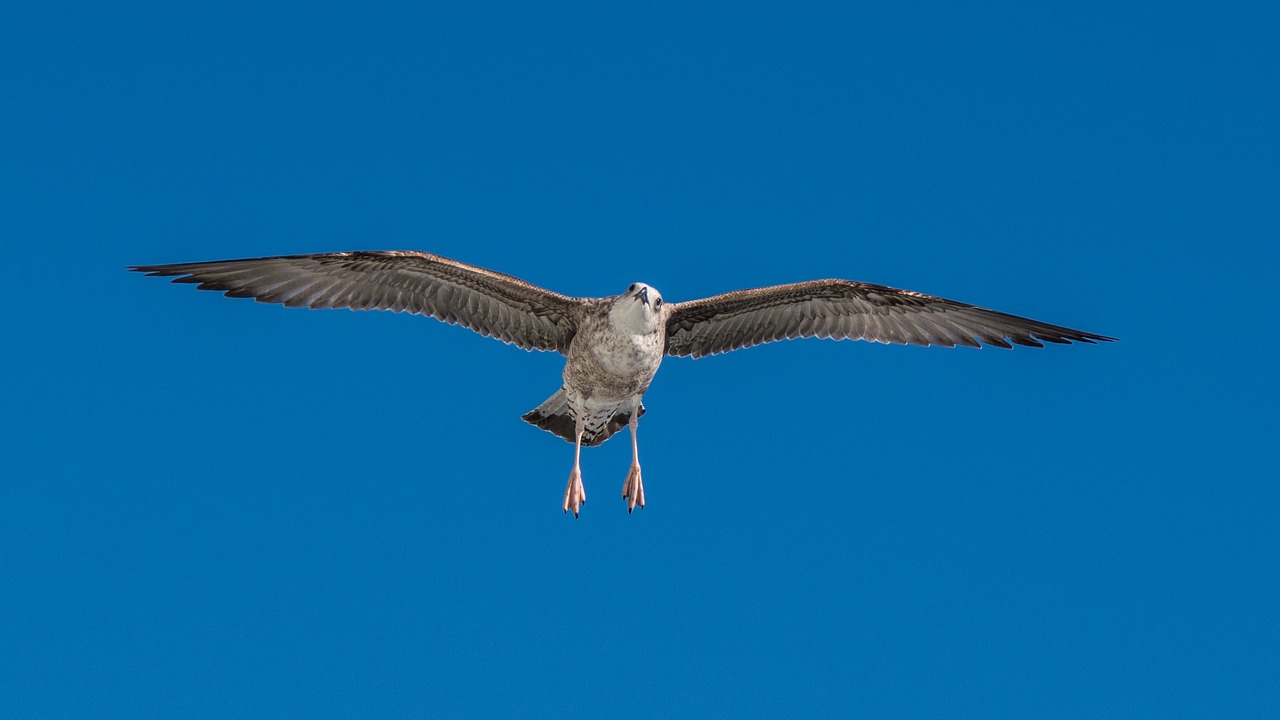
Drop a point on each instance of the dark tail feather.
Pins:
(553, 416)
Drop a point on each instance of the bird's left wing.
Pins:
(843, 309)
(488, 302)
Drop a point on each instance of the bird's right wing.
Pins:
(488, 302)
(843, 310)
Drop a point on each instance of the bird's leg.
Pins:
(574, 494)
(633, 488)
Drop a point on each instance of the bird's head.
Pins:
(640, 305)
(646, 295)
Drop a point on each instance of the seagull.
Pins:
(612, 345)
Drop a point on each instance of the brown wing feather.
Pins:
(843, 309)
(490, 303)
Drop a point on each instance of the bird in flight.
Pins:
(612, 345)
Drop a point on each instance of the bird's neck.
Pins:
(632, 318)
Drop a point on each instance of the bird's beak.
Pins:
(644, 295)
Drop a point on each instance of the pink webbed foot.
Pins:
(574, 493)
(633, 489)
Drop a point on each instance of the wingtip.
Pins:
(151, 270)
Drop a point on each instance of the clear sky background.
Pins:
(213, 508)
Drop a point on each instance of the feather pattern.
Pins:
(842, 310)
(488, 302)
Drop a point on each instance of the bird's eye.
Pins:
(657, 303)
(632, 288)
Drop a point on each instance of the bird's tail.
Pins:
(553, 416)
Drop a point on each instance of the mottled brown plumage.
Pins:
(844, 310)
(488, 302)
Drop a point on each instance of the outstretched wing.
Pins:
(487, 302)
(843, 309)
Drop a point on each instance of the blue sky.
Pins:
(214, 508)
